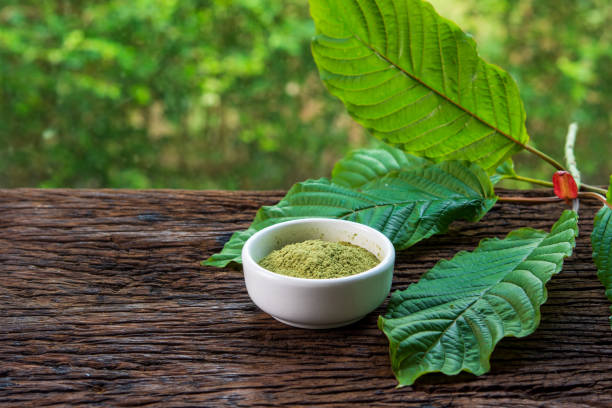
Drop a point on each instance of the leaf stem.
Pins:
(583, 186)
(544, 200)
(588, 194)
(544, 157)
(528, 200)
(531, 180)
(570, 158)
(593, 188)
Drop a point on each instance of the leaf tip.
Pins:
(217, 261)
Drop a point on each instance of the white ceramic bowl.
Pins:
(317, 303)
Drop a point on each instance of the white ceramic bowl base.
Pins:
(317, 303)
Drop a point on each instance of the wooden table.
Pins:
(103, 302)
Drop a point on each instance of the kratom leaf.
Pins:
(364, 165)
(415, 80)
(601, 241)
(407, 206)
(503, 171)
(454, 316)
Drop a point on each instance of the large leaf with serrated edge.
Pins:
(361, 166)
(407, 206)
(601, 241)
(454, 316)
(415, 80)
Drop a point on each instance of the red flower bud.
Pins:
(565, 186)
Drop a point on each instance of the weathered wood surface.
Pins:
(103, 303)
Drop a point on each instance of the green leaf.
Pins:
(415, 80)
(504, 171)
(454, 316)
(609, 193)
(407, 206)
(361, 166)
(601, 241)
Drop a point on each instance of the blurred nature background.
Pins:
(225, 94)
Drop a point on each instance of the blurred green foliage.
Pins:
(224, 94)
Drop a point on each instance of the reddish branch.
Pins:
(543, 200)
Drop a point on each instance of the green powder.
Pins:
(317, 259)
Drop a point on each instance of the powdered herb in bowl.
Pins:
(318, 259)
(318, 273)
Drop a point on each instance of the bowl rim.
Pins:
(387, 247)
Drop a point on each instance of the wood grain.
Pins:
(103, 303)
